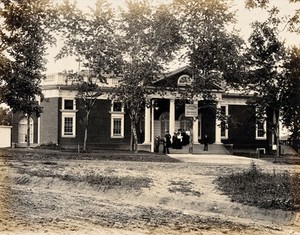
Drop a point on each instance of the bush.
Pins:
(265, 190)
(50, 145)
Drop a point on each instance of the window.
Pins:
(261, 129)
(184, 123)
(117, 107)
(184, 80)
(117, 120)
(23, 130)
(164, 123)
(68, 104)
(224, 127)
(68, 128)
(117, 126)
(68, 121)
(68, 125)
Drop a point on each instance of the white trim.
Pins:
(187, 80)
(22, 125)
(112, 107)
(226, 123)
(63, 104)
(265, 130)
(113, 117)
(68, 115)
(116, 115)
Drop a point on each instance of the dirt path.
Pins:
(42, 197)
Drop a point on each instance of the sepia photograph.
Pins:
(139, 117)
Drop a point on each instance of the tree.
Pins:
(267, 75)
(92, 39)
(5, 117)
(291, 21)
(24, 31)
(291, 99)
(211, 50)
(87, 93)
(150, 35)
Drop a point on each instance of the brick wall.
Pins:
(49, 121)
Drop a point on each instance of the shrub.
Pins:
(50, 145)
(266, 190)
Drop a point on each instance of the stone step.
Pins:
(212, 149)
(198, 149)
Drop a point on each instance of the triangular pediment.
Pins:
(180, 78)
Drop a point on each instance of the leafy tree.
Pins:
(5, 117)
(212, 51)
(291, 99)
(91, 37)
(267, 75)
(150, 35)
(291, 21)
(24, 31)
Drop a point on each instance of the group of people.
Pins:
(179, 139)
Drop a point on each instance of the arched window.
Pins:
(23, 130)
(164, 123)
(184, 123)
(184, 80)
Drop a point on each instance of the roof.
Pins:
(170, 80)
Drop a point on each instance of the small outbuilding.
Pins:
(5, 136)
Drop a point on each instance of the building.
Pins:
(109, 125)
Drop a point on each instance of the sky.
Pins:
(244, 19)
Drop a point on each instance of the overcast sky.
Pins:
(244, 17)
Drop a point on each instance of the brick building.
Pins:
(109, 126)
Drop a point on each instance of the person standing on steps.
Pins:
(205, 141)
(156, 144)
(167, 142)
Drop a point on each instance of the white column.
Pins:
(195, 131)
(147, 125)
(172, 116)
(152, 127)
(195, 127)
(218, 128)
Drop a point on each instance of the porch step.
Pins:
(287, 150)
(198, 149)
(24, 145)
(212, 149)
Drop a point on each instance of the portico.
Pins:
(168, 114)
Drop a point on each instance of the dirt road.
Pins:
(64, 196)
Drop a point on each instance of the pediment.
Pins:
(180, 78)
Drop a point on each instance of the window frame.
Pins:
(225, 123)
(264, 123)
(68, 113)
(73, 117)
(184, 80)
(63, 104)
(113, 118)
(117, 114)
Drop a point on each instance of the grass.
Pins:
(184, 187)
(92, 178)
(103, 155)
(277, 190)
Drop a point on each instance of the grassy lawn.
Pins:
(102, 155)
(251, 187)
(265, 190)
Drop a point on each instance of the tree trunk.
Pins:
(276, 132)
(191, 136)
(135, 142)
(86, 124)
(28, 131)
